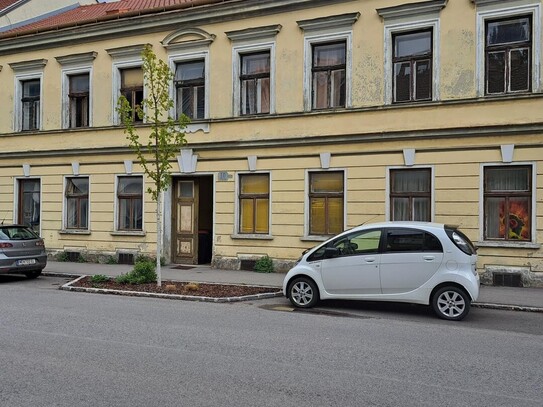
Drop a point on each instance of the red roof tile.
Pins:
(6, 3)
(91, 13)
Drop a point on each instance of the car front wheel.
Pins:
(451, 303)
(303, 292)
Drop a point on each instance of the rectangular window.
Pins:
(132, 89)
(77, 203)
(78, 97)
(412, 64)
(508, 49)
(328, 75)
(254, 203)
(190, 89)
(410, 195)
(130, 203)
(31, 104)
(326, 197)
(255, 83)
(507, 203)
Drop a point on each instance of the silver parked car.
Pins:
(415, 262)
(22, 251)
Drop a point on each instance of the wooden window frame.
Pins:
(411, 195)
(132, 198)
(192, 84)
(255, 77)
(254, 197)
(131, 93)
(506, 48)
(327, 196)
(78, 101)
(34, 111)
(413, 60)
(507, 195)
(329, 69)
(79, 198)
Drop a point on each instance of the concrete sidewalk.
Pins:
(521, 299)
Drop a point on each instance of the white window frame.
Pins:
(236, 233)
(174, 59)
(307, 209)
(394, 28)
(116, 210)
(413, 167)
(534, 231)
(65, 206)
(505, 9)
(237, 52)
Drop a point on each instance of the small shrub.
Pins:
(63, 257)
(143, 258)
(99, 278)
(264, 265)
(81, 258)
(143, 273)
(111, 260)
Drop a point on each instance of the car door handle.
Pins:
(429, 258)
(369, 259)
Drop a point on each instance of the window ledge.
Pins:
(251, 237)
(74, 232)
(315, 238)
(127, 233)
(509, 245)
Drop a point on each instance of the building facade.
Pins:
(308, 117)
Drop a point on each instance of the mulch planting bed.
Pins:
(180, 288)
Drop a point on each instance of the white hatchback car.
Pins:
(413, 262)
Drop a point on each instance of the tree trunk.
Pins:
(159, 237)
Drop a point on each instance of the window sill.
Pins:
(138, 233)
(315, 238)
(251, 237)
(509, 245)
(74, 232)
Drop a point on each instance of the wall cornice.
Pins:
(412, 9)
(171, 20)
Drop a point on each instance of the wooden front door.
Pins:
(185, 221)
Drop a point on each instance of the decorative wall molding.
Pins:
(75, 168)
(187, 161)
(188, 38)
(412, 9)
(131, 51)
(33, 65)
(128, 165)
(331, 22)
(26, 170)
(76, 59)
(508, 151)
(409, 156)
(325, 160)
(255, 33)
(251, 161)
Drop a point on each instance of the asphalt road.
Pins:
(61, 348)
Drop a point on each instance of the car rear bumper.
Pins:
(16, 265)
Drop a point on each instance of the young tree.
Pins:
(166, 134)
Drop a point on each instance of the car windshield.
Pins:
(16, 233)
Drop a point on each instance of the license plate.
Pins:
(26, 262)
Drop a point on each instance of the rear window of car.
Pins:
(411, 240)
(16, 233)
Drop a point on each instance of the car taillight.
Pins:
(5, 245)
(40, 243)
(461, 241)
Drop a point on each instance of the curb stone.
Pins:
(506, 307)
(68, 287)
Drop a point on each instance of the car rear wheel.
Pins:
(451, 303)
(303, 292)
(33, 274)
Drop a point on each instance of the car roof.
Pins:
(402, 224)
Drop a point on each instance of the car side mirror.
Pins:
(331, 252)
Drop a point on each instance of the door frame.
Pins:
(17, 196)
(167, 229)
